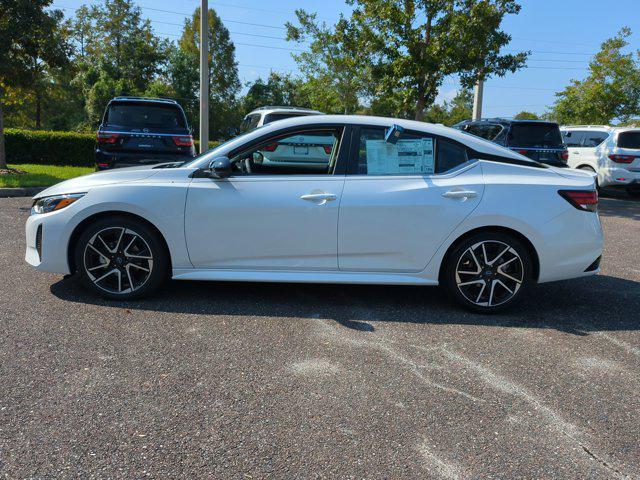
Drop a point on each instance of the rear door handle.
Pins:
(460, 194)
(319, 198)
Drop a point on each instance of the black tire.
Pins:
(483, 287)
(589, 169)
(120, 274)
(633, 192)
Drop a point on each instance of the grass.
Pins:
(41, 175)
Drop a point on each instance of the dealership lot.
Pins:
(257, 380)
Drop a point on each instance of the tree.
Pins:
(279, 89)
(224, 83)
(31, 44)
(336, 69)
(610, 91)
(117, 52)
(524, 115)
(413, 44)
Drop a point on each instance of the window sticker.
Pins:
(409, 156)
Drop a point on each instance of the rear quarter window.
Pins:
(629, 139)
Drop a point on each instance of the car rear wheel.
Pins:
(488, 272)
(591, 170)
(119, 258)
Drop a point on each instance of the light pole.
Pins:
(204, 76)
(477, 100)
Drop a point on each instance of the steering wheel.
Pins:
(243, 165)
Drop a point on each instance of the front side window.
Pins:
(412, 154)
(250, 122)
(306, 152)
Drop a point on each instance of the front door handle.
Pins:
(460, 194)
(319, 198)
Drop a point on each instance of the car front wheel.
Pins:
(119, 258)
(488, 272)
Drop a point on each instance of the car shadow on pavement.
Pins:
(579, 306)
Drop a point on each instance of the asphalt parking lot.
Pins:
(295, 381)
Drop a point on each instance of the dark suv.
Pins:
(536, 139)
(141, 131)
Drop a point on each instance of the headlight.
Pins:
(56, 202)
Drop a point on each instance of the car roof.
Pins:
(476, 143)
(277, 109)
(502, 121)
(144, 99)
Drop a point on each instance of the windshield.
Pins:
(140, 115)
(536, 135)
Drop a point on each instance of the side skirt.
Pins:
(301, 277)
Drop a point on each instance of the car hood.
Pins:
(108, 177)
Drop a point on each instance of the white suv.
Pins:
(613, 153)
(263, 115)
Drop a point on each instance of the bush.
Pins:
(50, 148)
(43, 147)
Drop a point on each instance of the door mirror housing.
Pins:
(220, 167)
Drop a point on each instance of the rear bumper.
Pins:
(109, 159)
(571, 244)
(611, 176)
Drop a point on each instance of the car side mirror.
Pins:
(220, 167)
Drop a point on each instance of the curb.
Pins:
(20, 192)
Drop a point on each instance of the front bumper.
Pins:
(46, 242)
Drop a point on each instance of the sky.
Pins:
(561, 35)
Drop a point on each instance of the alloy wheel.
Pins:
(118, 260)
(489, 273)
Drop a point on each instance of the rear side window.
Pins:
(142, 115)
(534, 135)
(573, 138)
(249, 123)
(629, 139)
(593, 139)
(412, 154)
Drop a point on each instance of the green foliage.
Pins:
(33, 48)
(336, 69)
(611, 90)
(279, 89)
(41, 175)
(50, 148)
(224, 83)
(524, 115)
(412, 45)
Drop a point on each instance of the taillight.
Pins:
(183, 141)
(106, 137)
(586, 200)
(270, 148)
(622, 158)
(327, 149)
(564, 154)
(521, 152)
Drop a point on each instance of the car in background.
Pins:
(539, 140)
(398, 202)
(265, 115)
(613, 153)
(312, 151)
(142, 131)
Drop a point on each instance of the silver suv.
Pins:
(263, 115)
(613, 153)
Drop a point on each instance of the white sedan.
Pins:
(396, 202)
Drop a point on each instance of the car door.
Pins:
(589, 153)
(401, 201)
(574, 140)
(271, 217)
